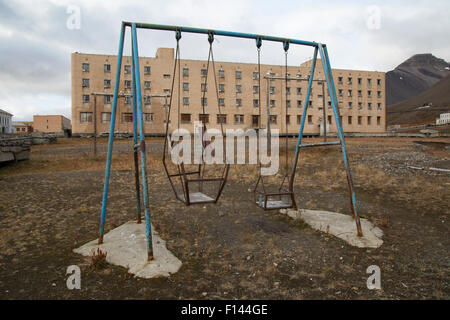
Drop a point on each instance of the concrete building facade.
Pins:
(51, 124)
(444, 118)
(6, 122)
(361, 96)
(23, 127)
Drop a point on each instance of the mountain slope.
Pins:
(414, 76)
(412, 111)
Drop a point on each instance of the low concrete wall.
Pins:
(15, 147)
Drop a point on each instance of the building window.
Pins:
(378, 121)
(127, 117)
(127, 84)
(147, 99)
(288, 103)
(239, 102)
(349, 120)
(288, 119)
(350, 93)
(310, 104)
(238, 75)
(288, 90)
(106, 99)
(238, 88)
(148, 117)
(299, 91)
(379, 106)
(310, 119)
(369, 93)
(255, 103)
(273, 119)
(221, 119)
(299, 119)
(359, 93)
(255, 75)
(350, 80)
(147, 70)
(369, 106)
(272, 103)
(167, 92)
(107, 68)
(204, 101)
(85, 83)
(238, 118)
(127, 69)
(127, 100)
(255, 89)
(85, 67)
(203, 117)
(369, 82)
(106, 117)
(147, 84)
(359, 105)
(221, 87)
(221, 101)
(341, 92)
(85, 117)
(107, 83)
(350, 105)
(221, 74)
(203, 72)
(185, 118)
(329, 120)
(185, 101)
(204, 87)
(299, 103)
(359, 120)
(272, 90)
(379, 94)
(359, 81)
(185, 72)
(166, 76)
(185, 86)
(378, 82)
(369, 120)
(339, 80)
(86, 98)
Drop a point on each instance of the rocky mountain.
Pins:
(415, 75)
(422, 108)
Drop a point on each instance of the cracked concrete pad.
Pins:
(340, 225)
(126, 246)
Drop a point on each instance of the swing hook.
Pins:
(210, 37)
(286, 45)
(258, 42)
(178, 34)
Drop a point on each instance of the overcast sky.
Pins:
(37, 37)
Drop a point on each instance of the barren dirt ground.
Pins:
(51, 204)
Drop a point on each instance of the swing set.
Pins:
(182, 179)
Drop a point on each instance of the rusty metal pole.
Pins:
(95, 125)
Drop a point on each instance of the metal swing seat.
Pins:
(198, 183)
(267, 196)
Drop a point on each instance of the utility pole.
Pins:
(324, 113)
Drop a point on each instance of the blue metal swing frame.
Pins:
(138, 123)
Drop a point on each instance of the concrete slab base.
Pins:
(340, 225)
(126, 246)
